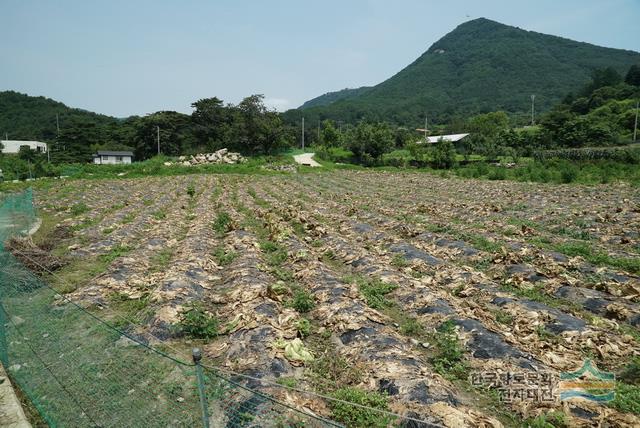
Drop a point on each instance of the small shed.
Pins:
(107, 157)
(13, 146)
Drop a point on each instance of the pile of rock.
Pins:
(218, 157)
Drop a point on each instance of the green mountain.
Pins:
(480, 66)
(331, 97)
(24, 117)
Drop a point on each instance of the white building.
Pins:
(13, 146)
(435, 138)
(111, 158)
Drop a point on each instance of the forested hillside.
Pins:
(331, 97)
(480, 66)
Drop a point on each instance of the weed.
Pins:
(128, 218)
(448, 359)
(222, 223)
(330, 370)
(304, 327)
(107, 230)
(160, 260)
(302, 301)
(503, 317)
(161, 214)
(545, 334)
(399, 261)
(116, 251)
(79, 208)
(197, 323)
(191, 190)
(411, 327)
(374, 291)
(224, 257)
(275, 253)
(631, 373)
(357, 416)
(552, 419)
(627, 398)
(288, 381)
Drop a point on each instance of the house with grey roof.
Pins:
(107, 157)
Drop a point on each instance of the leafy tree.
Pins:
(369, 142)
(633, 76)
(489, 124)
(25, 153)
(174, 134)
(329, 135)
(260, 130)
(602, 77)
(444, 154)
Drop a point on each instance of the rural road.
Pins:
(306, 159)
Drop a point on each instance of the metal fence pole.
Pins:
(197, 356)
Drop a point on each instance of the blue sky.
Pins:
(136, 57)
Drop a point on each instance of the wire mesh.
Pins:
(79, 371)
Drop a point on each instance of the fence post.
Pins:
(197, 356)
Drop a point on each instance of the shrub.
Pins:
(357, 416)
(197, 323)
(444, 154)
(568, 174)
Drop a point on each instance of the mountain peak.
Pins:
(480, 66)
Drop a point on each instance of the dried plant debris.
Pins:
(356, 283)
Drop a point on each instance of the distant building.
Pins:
(13, 146)
(112, 158)
(435, 138)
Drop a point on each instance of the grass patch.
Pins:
(114, 253)
(552, 419)
(627, 398)
(359, 417)
(79, 208)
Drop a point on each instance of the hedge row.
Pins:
(619, 154)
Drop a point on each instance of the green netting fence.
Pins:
(79, 371)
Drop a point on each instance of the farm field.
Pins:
(402, 284)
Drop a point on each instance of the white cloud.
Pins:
(279, 104)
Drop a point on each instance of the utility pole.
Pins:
(58, 124)
(635, 125)
(303, 133)
(533, 100)
(426, 126)
(158, 136)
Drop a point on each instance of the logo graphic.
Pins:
(587, 382)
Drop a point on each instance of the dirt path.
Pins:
(306, 159)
